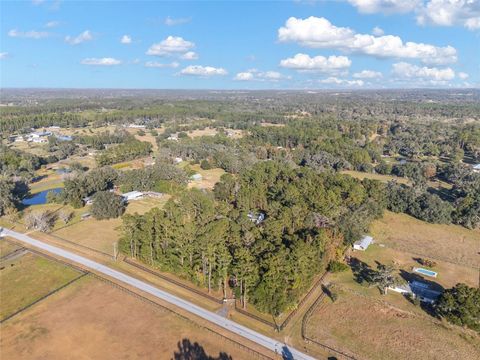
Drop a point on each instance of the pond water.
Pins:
(40, 198)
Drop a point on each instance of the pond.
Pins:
(40, 198)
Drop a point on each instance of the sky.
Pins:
(349, 44)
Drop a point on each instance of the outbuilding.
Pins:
(132, 195)
(476, 168)
(363, 243)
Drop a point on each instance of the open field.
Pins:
(7, 247)
(202, 132)
(372, 330)
(384, 178)
(96, 234)
(26, 278)
(209, 177)
(87, 320)
(445, 242)
(448, 274)
(101, 234)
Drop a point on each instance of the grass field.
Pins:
(89, 320)
(209, 177)
(7, 247)
(448, 274)
(369, 329)
(101, 234)
(446, 242)
(27, 278)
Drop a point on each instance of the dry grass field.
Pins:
(369, 329)
(209, 177)
(445, 242)
(26, 278)
(101, 234)
(448, 274)
(7, 247)
(89, 320)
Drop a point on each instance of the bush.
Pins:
(205, 165)
(427, 263)
(337, 266)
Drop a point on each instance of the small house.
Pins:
(476, 168)
(178, 160)
(424, 292)
(256, 218)
(196, 177)
(132, 195)
(363, 243)
(173, 137)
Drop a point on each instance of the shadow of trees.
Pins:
(194, 351)
(362, 272)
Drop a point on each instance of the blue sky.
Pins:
(240, 45)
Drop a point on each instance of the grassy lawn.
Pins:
(29, 277)
(372, 330)
(209, 177)
(384, 178)
(446, 242)
(144, 205)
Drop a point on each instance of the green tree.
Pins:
(107, 205)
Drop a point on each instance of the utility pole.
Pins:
(115, 250)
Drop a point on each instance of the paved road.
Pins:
(269, 343)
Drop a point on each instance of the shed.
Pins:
(196, 177)
(476, 168)
(132, 195)
(363, 243)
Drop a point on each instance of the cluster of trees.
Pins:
(15, 163)
(11, 195)
(161, 177)
(98, 141)
(269, 231)
(107, 205)
(461, 306)
(126, 151)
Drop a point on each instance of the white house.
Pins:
(476, 168)
(173, 137)
(363, 243)
(132, 195)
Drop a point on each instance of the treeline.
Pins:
(267, 232)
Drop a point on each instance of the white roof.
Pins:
(476, 167)
(133, 194)
(364, 242)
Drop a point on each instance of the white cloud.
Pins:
(169, 21)
(451, 12)
(190, 55)
(32, 34)
(367, 74)
(52, 24)
(304, 62)
(155, 64)
(83, 37)
(107, 61)
(405, 70)
(255, 75)
(172, 45)
(203, 71)
(126, 39)
(377, 31)
(384, 6)
(337, 81)
(319, 33)
(244, 76)
(3, 55)
(463, 75)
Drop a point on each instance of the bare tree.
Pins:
(42, 220)
(65, 216)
